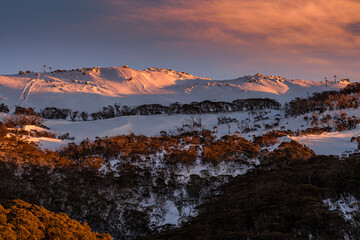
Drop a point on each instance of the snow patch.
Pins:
(172, 215)
(330, 143)
(346, 205)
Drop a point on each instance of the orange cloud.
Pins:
(319, 35)
(321, 23)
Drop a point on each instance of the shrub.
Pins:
(4, 108)
(269, 138)
(22, 120)
(229, 148)
(289, 151)
(24, 111)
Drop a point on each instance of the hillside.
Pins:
(306, 199)
(136, 153)
(91, 89)
(115, 97)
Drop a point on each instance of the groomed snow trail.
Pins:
(26, 92)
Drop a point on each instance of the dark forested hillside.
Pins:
(125, 199)
(137, 186)
(280, 203)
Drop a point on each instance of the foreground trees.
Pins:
(107, 183)
(21, 220)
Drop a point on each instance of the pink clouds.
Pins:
(320, 23)
(297, 38)
(314, 33)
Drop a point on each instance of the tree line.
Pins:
(203, 107)
(348, 97)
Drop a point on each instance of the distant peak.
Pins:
(259, 76)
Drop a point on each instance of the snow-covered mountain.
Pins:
(161, 162)
(90, 89)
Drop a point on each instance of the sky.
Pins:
(220, 39)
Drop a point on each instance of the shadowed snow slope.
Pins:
(333, 143)
(90, 89)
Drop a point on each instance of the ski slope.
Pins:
(91, 89)
(26, 92)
